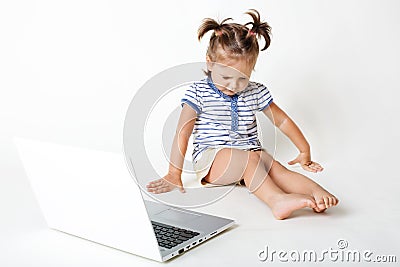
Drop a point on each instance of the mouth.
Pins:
(229, 91)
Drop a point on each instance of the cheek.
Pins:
(217, 80)
(243, 85)
(223, 83)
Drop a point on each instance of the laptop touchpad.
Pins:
(177, 215)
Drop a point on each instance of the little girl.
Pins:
(220, 112)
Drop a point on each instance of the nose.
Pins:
(234, 86)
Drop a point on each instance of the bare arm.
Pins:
(183, 131)
(179, 146)
(284, 123)
(287, 126)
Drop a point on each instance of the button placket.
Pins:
(234, 113)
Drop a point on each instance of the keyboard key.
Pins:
(169, 236)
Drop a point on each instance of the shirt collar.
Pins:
(212, 85)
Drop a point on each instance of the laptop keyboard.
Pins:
(169, 236)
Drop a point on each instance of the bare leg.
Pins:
(231, 165)
(293, 182)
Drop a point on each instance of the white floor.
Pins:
(333, 66)
(367, 218)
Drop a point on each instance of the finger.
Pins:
(292, 162)
(151, 185)
(157, 191)
(316, 165)
(154, 185)
(318, 169)
(155, 188)
(156, 182)
(162, 190)
(319, 166)
(182, 189)
(152, 190)
(308, 168)
(315, 168)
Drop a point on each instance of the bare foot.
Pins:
(167, 183)
(285, 204)
(323, 199)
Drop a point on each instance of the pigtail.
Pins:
(233, 40)
(209, 25)
(259, 28)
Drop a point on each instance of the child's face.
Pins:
(232, 77)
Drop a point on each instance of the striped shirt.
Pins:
(222, 120)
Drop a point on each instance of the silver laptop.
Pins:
(91, 194)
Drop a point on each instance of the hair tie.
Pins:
(217, 32)
(251, 32)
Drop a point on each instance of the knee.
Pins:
(253, 163)
(278, 169)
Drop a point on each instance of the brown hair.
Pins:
(235, 41)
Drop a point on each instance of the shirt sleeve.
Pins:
(193, 98)
(264, 97)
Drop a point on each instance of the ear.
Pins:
(210, 64)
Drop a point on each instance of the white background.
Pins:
(69, 69)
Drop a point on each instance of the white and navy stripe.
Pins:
(222, 120)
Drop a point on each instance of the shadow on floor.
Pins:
(337, 212)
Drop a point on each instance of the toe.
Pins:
(329, 202)
(321, 204)
(332, 201)
(326, 202)
(311, 203)
(335, 200)
(318, 210)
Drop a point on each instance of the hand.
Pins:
(305, 161)
(168, 183)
